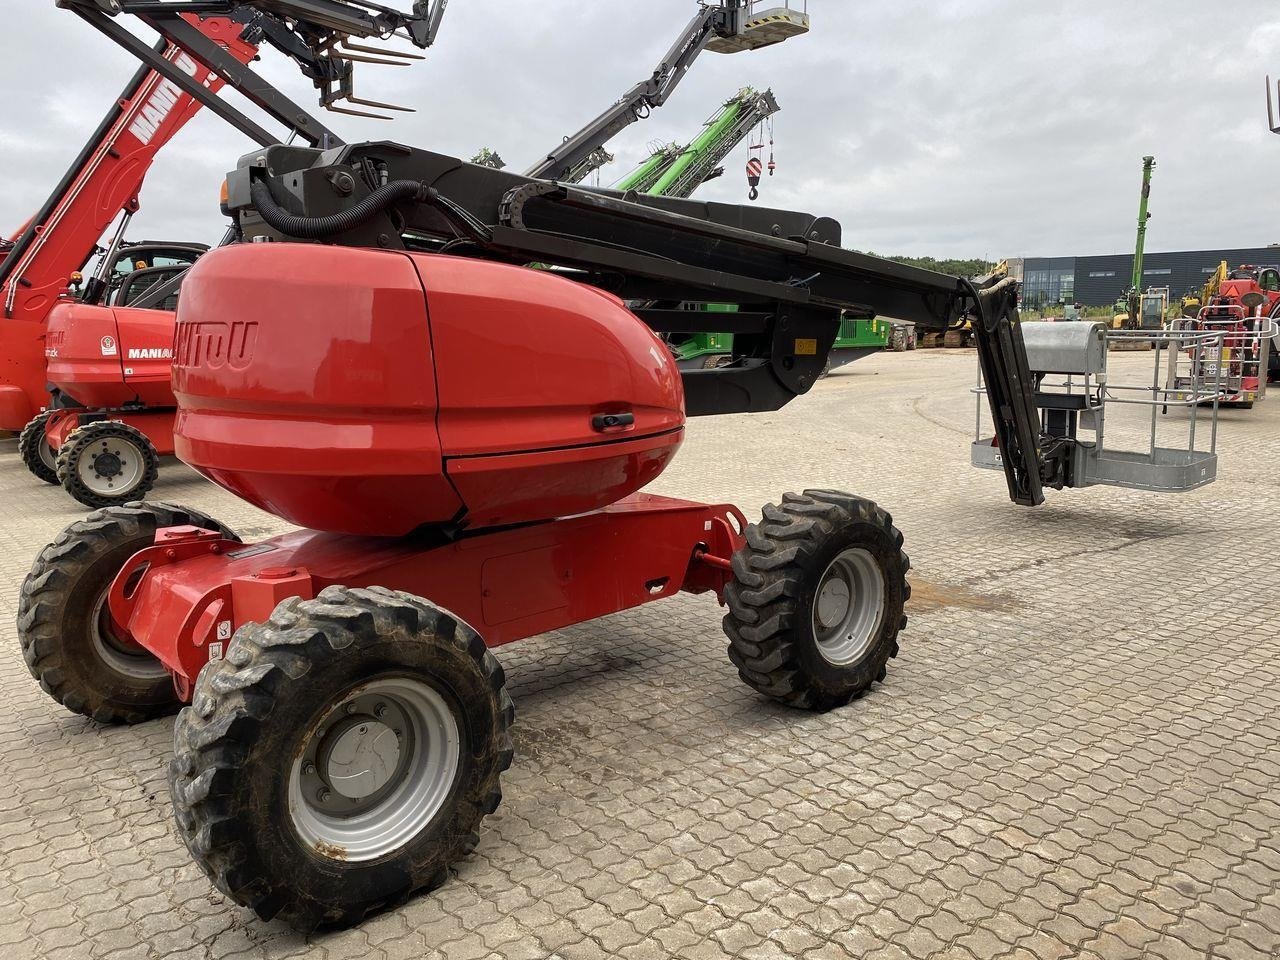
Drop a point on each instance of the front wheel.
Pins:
(341, 757)
(817, 601)
(68, 640)
(104, 464)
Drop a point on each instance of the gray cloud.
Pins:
(952, 128)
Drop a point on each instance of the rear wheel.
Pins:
(105, 463)
(342, 756)
(817, 599)
(68, 640)
(36, 452)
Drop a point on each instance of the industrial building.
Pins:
(1100, 280)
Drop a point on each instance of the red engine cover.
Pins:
(107, 357)
(374, 392)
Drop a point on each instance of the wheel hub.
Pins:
(848, 608)
(360, 756)
(833, 603)
(374, 771)
(108, 464)
(113, 466)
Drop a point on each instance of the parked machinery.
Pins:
(108, 349)
(1132, 313)
(1245, 309)
(381, 368)
(101, 185)
(107, 365)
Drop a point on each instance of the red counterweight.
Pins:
(375, 393)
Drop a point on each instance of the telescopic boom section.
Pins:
(786, 270)
(724, 27)
(700, 161)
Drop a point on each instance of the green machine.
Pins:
(673, 170)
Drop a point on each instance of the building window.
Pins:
(1157, 273)
(1102, 273)
(1208, 270)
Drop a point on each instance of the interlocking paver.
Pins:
(1076, 753)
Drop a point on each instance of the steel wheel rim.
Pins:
(358, 792)
(848, 607)
(111, 453)
(128, 660)
(46, 454)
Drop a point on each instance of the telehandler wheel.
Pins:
(36, 452)
(342, 756)
(104, 464)
(817, 600)
(66, 634)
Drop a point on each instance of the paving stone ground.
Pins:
(1076, 754)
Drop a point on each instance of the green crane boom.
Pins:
(646, 175)
(1148, 164)
(722, 134)
(674, 171)
(1133, 297)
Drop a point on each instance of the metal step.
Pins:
(764, 28)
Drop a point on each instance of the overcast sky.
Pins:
(952, 128)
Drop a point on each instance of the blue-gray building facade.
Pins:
(1097, 281)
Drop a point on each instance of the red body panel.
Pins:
(198, 589)
(372, 392)
(108, 357)
(108, 184)
(514, 358)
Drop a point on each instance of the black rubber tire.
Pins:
(56, 626)
(251, 712)
(78, 445)
(36, 452)
(771, 600)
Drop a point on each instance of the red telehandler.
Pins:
(108, 348)
(464, 440)
(102, 185)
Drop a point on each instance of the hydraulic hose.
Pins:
(361, 212)
(356, 215)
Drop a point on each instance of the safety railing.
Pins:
(796, 6)
(1203, 385)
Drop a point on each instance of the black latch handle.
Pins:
(613, 421)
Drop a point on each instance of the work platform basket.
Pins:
(1133, 424)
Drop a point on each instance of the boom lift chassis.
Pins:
(335, 649)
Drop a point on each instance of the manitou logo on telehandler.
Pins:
(216, 345)
(149, 353)
(161, 103)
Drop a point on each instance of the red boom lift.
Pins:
(382, 369)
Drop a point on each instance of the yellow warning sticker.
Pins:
(806, 348)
